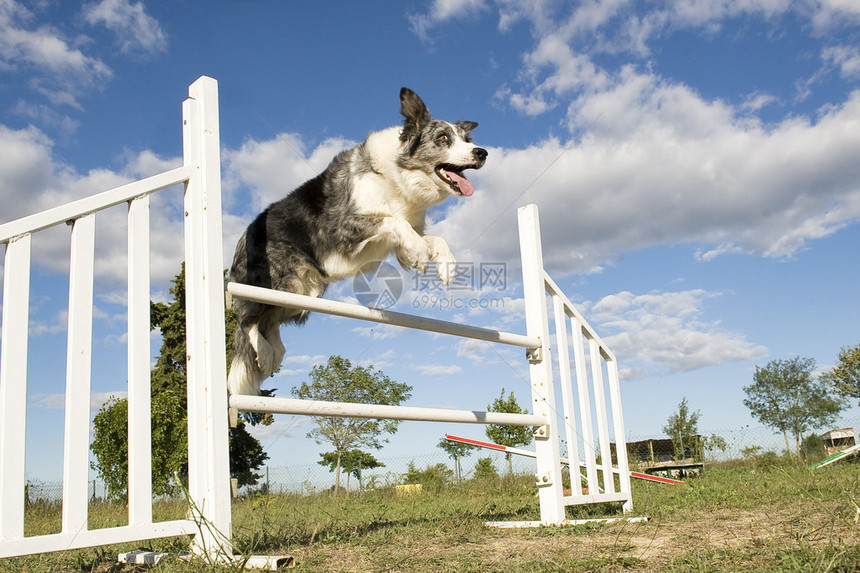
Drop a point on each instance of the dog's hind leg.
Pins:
(265, 352)
(273, 336)
(268, 332)
(244, 378)
(245, 375)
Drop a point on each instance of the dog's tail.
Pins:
(245, 375)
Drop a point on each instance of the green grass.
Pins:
(738, 517)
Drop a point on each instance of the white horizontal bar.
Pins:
(525, 524)
(267, 562)
(292, 300)
(277, 405)
(95, 537)
(142, 557)
(91, 204)
(258, 562)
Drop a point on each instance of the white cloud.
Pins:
(827, 14)
(305, 360)
(136, 31)
(280, 428)
(32, 179)
(379, 331)
(273, 168)
(300, 364)
(442, 11)
(710, 13)
(382, 361)
(57, 325)
(567, 38)
(758, 101)
(663, 331)
(436, 369)
(62, 69)
(46, 116)
(845, 58)
(58, 401)
(477, 352)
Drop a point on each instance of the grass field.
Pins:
(741, 516)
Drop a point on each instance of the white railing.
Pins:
(577, 402)
(200, 173)
(208, 403)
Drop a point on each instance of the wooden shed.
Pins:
(838, 440)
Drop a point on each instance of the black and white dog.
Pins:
(370, 201)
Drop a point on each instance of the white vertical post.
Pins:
(600, 413)
(584, 404)
(540, 368)
(13, 385)
(78, 376)
(567, 393)
(620, 437)
(208, 455)
(139, 396)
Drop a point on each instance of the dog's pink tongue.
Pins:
(466, 187)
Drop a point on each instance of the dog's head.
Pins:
(440, 149)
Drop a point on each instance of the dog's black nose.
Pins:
(480, 153)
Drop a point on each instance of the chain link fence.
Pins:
(311, 478)
(739, 443)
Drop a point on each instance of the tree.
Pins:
(682, 427)
(352, 462)
(169, 413)
(246, 455)
(339, 381)
(713, 443)
(511, 436)
(845, 376)
(785, 397)
(485, 469)
(456, 450)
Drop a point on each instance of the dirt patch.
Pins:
(747, 537)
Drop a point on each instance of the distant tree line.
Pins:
(786, 396)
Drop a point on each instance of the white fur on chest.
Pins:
(391, 190)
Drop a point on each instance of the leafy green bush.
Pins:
(432, 477)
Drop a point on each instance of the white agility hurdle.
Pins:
(577, 410)
(582, 413)
(209, 522)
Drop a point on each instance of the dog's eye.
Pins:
(443, 138)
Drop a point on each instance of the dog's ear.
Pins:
(415, 113)
(466, 127)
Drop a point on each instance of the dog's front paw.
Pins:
(446, 264)
(414, 254)
(446, 267)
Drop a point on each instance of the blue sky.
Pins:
(695, 163)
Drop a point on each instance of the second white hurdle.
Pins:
(579, 403)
